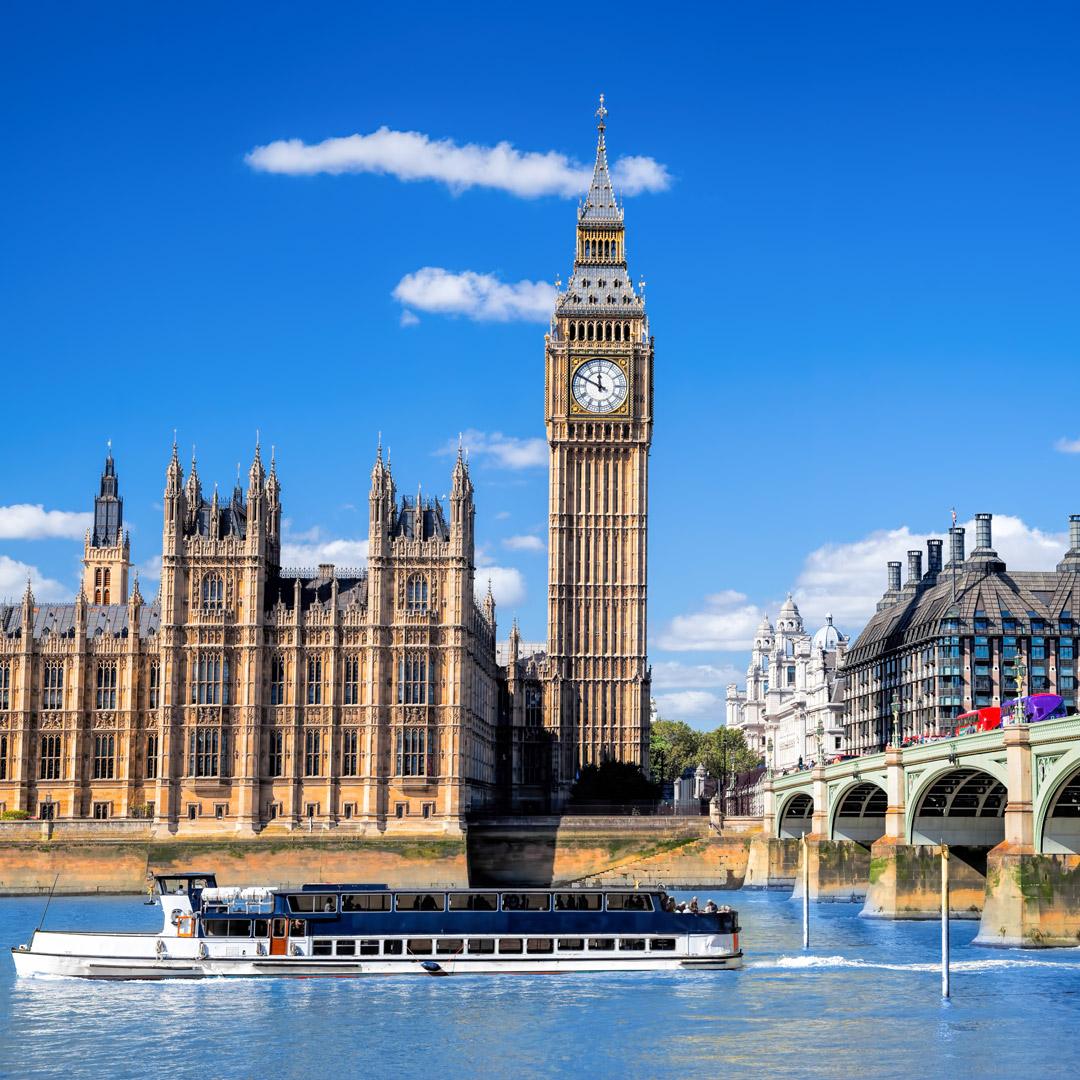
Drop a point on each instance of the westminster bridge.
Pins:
(1006, 802)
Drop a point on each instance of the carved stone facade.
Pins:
(246, 695)
(599, 414)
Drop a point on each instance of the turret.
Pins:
(382, 499)
(273, 514)
(462, 510)
(107, 551)
(256, 500)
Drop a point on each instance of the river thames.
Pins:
(864, 1002)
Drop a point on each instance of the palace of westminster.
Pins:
(248, 696)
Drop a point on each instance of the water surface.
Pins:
(864, 1002)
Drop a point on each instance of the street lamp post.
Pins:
(769, 759)
(820, 742)
(895, 719)
(1018, 716)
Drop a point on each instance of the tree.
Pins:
(613, 782)
(672, 746)
(726, 754)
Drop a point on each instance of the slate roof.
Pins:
(101, 620)
(917, 616)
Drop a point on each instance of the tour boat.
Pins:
(345, 930)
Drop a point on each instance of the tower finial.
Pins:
(601, 112)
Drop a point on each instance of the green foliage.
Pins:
(15, 815)
(613, 782)
(674, 745)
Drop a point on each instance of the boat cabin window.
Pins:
(365, 902)
(571, 944)
(636, 944)
(540, 945)
(629, 901)
(419, 946)
(481, 946)
(726, 922)
(526, 902)
(298, 928)
(313, 902)
(370, 946)
(487, 901)
(261, 927)
(601, 944)
(449, 945)
(420, 901)
(178, 886)
(574, 901)
(509, 945)
(345, 948)
(389, 948)
(662, 944)
(322, 947)
(226, 927)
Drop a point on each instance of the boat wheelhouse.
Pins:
(346, 929)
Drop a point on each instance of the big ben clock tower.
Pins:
(599, 412)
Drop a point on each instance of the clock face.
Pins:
(599, 385)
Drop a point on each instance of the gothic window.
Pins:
(589, 329)
(311, 753)
(573, 331)
(49, 768)
(417, 593)
(618, 331)
(626, 331)
(349, 755)
(209, 680)
(154, 695)
(97, 585)
(3, 757)
(104, 757)
(277, 680)
(5, 686)
(151, 756)
(105, 582)
(600, 283)
(415, 679)
(52, 686)
(414, 756)
(352, 680)
(314, 684)
(105, 696)
(534, 707)
(277, 753)
(213, 593)
(206, 748)
(580, 328)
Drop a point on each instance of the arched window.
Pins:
(607, 330)
(416, 593)
(352, 680)
(416, 678)
(49, 767)
(154, 697)
(573, 331)
(350, 741)
(589, 331)
(5, 686)
(52, 686)
(277, 753)
(104, 757)
(97, 576)
(209, 680)
(314, 685)
(213, 593)
(206, 750)
(151, 757)
(3, 757)
(312, 741)
(580, 329)
(415, 752)
(626, 331)
(618, 331)
(105, 696)
(277, 680)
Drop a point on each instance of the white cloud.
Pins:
(310, 548)
(727, 622)
(668, 674)
(507, 585)
(503, 451)
(13, 582)
(27, 522)
(502, 515)
(408, 318)
(411, 155)
(481, 297)
(1068, 446)
(691, 705)
(524, 543)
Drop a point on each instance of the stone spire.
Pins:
(194, 488)
(136, 596)
(599, 205)
(174, 474)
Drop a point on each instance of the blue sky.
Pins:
(858, 225)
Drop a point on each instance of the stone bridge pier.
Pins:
(1007, 803)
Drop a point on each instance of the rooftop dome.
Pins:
(765, 627)
(789, 610)
(828, 637)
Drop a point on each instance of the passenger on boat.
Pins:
(694, 909)
(669, 907)
(710, 908)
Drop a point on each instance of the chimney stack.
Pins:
(984, 557)
(894, 577)
(983, 539)
(1071, 562)
(933, 557)
(956, 545)
(914, 568)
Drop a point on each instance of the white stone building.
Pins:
(791, 684)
